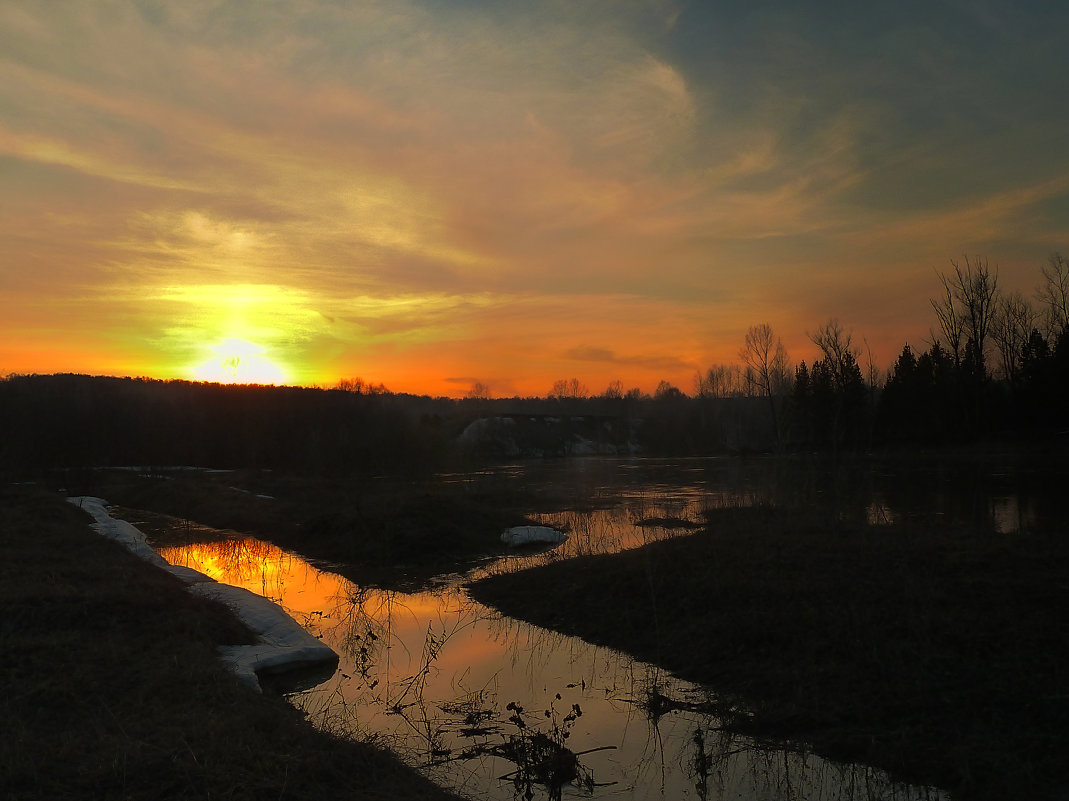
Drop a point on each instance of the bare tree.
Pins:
(767, 368)
(872, 375)
(1054, 294)
(720, 381)
(872, 370)
(765, 355)
(1011, 325)
(840, 353)
(666, 391)
(478, 391)
(840, 365)
(966, 307)
(615, 390)
(359, 386)
(568, 388)
(951, 323)
(749, 383)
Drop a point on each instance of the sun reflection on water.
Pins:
(478, 700)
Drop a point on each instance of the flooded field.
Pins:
(497, 708)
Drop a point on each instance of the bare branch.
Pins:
(839, 350)
(568, 389)
(1011, 325)
(721, 381)
(951, 324)
(1054, 294)
(966, 307)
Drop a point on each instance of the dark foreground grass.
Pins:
(384, 532)
(940, 655)
(112, 688)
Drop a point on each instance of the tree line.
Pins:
(994, 364)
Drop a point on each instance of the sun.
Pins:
(237, 361)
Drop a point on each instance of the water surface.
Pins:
(481, 702)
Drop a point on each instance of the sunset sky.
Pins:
(432, 194)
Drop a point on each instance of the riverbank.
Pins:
(387, 533)
(939, 654)
(114, 689)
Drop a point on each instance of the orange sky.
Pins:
(430, 194)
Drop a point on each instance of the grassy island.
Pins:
(939, 654)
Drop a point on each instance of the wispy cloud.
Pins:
(422, 190)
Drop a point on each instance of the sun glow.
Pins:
(236, 361)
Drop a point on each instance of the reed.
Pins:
(937, 653)
(112, 686)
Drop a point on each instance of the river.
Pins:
(496, 708)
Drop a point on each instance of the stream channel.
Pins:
(479, 701)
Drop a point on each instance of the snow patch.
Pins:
(283, 643)
(526, 535)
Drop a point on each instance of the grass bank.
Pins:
(941, 655)
(112, 688)
(385, 532)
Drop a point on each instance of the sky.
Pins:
(433, 194)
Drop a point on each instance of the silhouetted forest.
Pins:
(995, 365)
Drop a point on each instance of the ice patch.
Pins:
(283, 643)
(527, 535)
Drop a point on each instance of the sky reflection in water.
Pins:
(459, 690)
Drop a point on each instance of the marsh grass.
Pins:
(112, 686)
(940, 654)
(385, 532)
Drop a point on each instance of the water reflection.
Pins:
(1008, 491)
(1011, 515)
(497, 708)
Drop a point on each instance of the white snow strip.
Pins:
(283, 643)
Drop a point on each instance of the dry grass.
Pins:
(112, 688)
(388, 532)
(941, 655)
